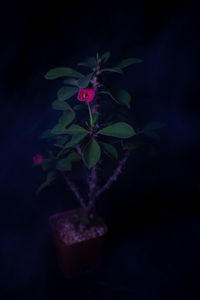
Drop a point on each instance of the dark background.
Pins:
(152, 249)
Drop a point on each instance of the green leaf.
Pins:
(46, 134)
(84, 220)
(46, 163)
(62, 152)
(61, 105)
(119, 95)
(91, 61)
(154, 126)
(122, 96)
(74, 156)
(83, 82)
(73, 129)
(109, 150)
(88, 62)
(95, 118)
(98, 59)
(70, 81)
(76, 138)
(128, 62)
(91, 154)
(62, 140)
(59, 129)
(114, 69)
(65, 164)
(79, 107)
(88, 125)
(50, 177)
(66, 92)
(66, 118)
(109, 94)
(62, 72)
(120, 129)
(105, 57)
(84, 64)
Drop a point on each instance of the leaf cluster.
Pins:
(80, 138)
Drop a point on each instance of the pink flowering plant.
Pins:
(94, 130)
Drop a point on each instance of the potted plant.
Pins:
(93, 132)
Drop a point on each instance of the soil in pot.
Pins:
(79, 249)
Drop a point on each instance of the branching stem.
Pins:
(114, 176)
(75, 190)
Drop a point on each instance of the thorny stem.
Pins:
(72, 186)
(74, 189)
(115, 175)
(92, 178)
(92, 184)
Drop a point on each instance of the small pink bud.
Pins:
(38, 159)
(86, 95)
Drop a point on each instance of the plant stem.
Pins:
(90, 113)
(115, 174)
(92, 184)
(75, 190)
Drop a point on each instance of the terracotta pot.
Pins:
(79, 258)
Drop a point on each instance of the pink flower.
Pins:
(86, 95)
(38, 159)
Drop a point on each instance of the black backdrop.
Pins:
(152, 212)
